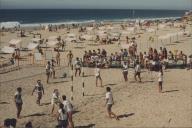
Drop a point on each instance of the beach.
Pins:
(136, 104)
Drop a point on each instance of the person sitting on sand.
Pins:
(69, 108)
(137, 71)
(109, 102)
(62, 117)
(125, 71)
(18, 101)
(160, 80)
(48, 70)
(40, 91)
(70, 57)
(98, 75)
(55, 100)
(77, 65)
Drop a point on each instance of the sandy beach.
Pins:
(136, 104)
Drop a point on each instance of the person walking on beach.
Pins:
(40, 91)
(77, 65)
(18, 101)
(58, 58)
(53, 68)
(125, 71)
(98, 75)
(160, 80)
(137, 71)
(70, 57)
(62, 117)
(55, 100)
(109, 102)
(48, 70)
(69, 108)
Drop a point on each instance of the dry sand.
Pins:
(137, 104)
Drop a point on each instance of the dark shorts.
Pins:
(62, 124)
(109, 106)
(39, 95)
(19, 105)
(98, 77)
(160, 83)
(125, 73)
(137, 74)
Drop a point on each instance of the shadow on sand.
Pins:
(126, 115)
(36, 114)
(87, 126)
(170, 91)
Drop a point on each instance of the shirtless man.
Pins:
(70, 57)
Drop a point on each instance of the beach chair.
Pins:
(176, 64)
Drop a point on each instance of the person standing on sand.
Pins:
(40, 91)
(160, 80)
(125, 71)
(109, 102)
(77, 65)
(137, 71)
(55, 100)
(70, 57)
(58, 58)
(98, 75)
(48, 70)
(62, 117)
(18, 101)
(69, 108)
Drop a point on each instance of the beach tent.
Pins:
(7, 49)
(87, 37)
(32, 46)
(150, 30)
(102, 28)
(71, 37)
(14, 41)
(89, 28)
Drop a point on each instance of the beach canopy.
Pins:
(52, 38)
(35, 39)
(125, 45)
(7, 49)
(32, 46)
(52, 43)
(14, 41)
(87, 37)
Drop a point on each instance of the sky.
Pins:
(97, 4)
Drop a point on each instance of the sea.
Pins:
(36, 17)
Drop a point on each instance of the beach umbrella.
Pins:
(14, 41)
(7, 49)
(125, 46)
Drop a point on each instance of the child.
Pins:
(109, 103)
(18, 101)
(138, 71)
(40, 91)
(69, 108)
(125, 71)
(160, 80)
(98, 75)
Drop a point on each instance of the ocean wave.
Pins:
(18, 24)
